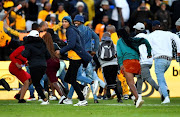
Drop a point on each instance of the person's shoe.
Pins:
(105, 97)
(95, 86)
(67, 101)
(126, 97)
(5, 84)
(53, 98)
(133, 97)
(22, 101)
(113, 94)
(96, 101)
(166, 100)
(81, 103)
(139, 102)
(39, 99)
(45, 102)
(46, 95)
(31, 98)
(86, 92)
(17, 96)
(99, 97)
(162, 97)
(61, 99)
(120, 100)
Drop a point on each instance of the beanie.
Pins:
(68, 18)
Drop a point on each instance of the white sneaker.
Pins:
(61, 99)
(81, 103)
(45, 102)
(95, 86)
(166, 100)
(46, 95)
(86, 92)
(113, 94)
(139, 102)
(67, 101)
(53, 98)
(126, 97)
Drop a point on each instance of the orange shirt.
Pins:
(100, 30)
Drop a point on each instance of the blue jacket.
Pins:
(88, 34)
(76, 43)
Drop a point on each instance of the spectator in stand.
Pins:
(74, 3)
(7, 4)
(122, 8)
(141, 14)
(175, 10)
(41, 5)
(91, 9)
(101, 27)
(61, 12)
(164, 17)
(44, 13)
(133, 5)
(80, 11)
(19, 17)
(31, 12)
(103, 10)
(52, 21)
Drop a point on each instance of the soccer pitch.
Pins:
(106, 108)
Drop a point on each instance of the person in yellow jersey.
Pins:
(91, 9)
(5, 39)
(44, 13)
(61, 12)
(77, 55)
(7, 4)
(112, 30)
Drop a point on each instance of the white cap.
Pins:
(104, 2)
(177, 22)
(34, 33)
(139, 26)
(79, 4)
(53, 15)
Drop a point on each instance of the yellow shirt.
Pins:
(61, 15)
(20, 21)
(8, 4)
(43, 14)
(3, 36)
(72, 55)
(114, 38)
(91, 8)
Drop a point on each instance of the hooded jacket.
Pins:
(76, 43)
(35, 52)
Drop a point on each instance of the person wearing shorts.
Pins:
(128, 59)
(15, 68)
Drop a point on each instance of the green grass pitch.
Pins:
(106, 108)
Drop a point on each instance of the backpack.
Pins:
(106, 51)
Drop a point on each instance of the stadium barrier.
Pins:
(172, 77)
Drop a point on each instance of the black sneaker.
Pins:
(17, 96)
(22, 101)
(120, 100)
(5, 84)
(96, 101)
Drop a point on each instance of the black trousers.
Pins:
(36, 75)
(71, 77)
(110, 74)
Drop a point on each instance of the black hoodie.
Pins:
(35, 52)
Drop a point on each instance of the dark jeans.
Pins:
(36, 75)
(71, 77)
(110, 74)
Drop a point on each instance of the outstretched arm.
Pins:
(7, 14)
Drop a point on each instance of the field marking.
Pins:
(100, 104)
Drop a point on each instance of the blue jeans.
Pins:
(88, 78)
(62, 76)
(161, 65)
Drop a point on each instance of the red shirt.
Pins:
(16, 56)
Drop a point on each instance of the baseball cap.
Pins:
(156, 22)
(177, 22)
(34, 33)
(104, 2)
(139, 26)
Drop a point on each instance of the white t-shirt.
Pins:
(143, 51)
(125, 10)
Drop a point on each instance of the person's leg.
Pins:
(62, 76)
(31, 88)
(146, 75)
(130, 81)
(71, 77)
(161, 65)
(24, 89)
(36, 75)
(139, 83)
